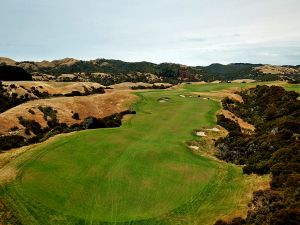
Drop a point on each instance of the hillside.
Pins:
(13, 73)
(13, 93)
(33, 111)
(98, 105)
(273, 148)
(108, 71)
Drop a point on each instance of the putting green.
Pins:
(140, 173)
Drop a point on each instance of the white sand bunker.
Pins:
(215, 129)
(163, 100)
(182, 96)
(194, 147)
(201, 134)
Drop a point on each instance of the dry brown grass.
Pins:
(253, 183)
(23, 87)
(7, 61)
(8, 173)
(243, 124)
(219, 95)
(270, 69)
(98, 105)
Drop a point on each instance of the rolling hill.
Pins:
(108, 71)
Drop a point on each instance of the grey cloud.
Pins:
(191, 32)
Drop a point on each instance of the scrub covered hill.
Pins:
(108, 71)
(273, 148)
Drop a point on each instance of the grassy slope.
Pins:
(140, 172)
(292, 87)
(226, 86)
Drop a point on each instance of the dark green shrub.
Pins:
(31, 111)
(75, 116)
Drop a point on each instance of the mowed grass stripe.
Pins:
(141, 172)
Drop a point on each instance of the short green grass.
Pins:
(292, 87)
(140, 173)
(225, 86)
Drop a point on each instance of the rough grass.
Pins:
(214, 87)
(292, 87)
(221, 87)
(141, 173)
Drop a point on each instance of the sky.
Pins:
(191, 32)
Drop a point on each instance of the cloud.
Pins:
(191, 32)
(268, 54)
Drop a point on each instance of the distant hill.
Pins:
(108, 71)
(14, 73)
(7, 61)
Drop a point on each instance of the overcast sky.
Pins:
(192, 32)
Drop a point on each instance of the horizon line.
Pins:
(134, 61)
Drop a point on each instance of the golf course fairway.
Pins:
(140, 173)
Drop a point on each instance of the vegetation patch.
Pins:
(273, 148)
(8, 101)
(13, 73)
(154, 86)
(75, 116)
